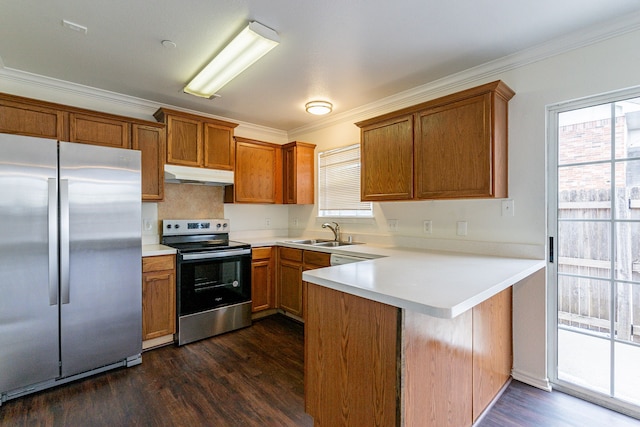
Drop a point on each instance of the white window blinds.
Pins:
(339, 183)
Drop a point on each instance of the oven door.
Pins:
(208, 280)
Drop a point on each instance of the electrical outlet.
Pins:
(392, 224)
(508, 208)
(294, 222)
(267, 222)
(427, 226)
(461, 229)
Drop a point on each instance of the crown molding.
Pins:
(60, 91)
(480, 73)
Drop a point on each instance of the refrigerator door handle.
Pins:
(53, 241)
(64, 241)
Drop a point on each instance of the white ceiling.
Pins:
(350, 52)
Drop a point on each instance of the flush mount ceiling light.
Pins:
(318, 107)
(246, 48)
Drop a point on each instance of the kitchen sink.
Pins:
(321, 242)
(333, 243)
(310, 241)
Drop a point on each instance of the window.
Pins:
(339, 184)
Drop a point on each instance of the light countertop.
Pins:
(440, 284)
(156, 249)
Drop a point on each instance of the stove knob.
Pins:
(169, 226)
(218, 225)
(177, 226)
(225, 225)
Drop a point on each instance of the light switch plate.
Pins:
(461, 229)
(427, 226)
(508, 208)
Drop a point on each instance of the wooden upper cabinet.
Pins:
(219, 147)
(184, 137)
(32, 117)
(298, 173)
(21, 117)
(150, 140)
(258, 174)
(386, 156)
(457, 155)
(458, 148)
(198, 141)
(99, 130)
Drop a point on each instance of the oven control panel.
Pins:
(173, 227)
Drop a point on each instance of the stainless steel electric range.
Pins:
(213, 278)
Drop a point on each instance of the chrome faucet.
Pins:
(336, 230)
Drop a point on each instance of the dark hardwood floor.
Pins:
(524, 406)
(250, 377)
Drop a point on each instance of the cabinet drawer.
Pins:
(319, 259)
(291, 254)
(158, 263)
(261, 253)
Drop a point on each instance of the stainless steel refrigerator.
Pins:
(70, 262)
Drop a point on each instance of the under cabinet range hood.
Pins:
(202, 176)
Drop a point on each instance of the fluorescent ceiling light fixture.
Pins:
(250, 45)
(318, 107)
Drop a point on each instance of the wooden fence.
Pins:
(585, 265)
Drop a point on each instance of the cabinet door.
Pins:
(99, 130)
(219, 147)
(184, 141)
(261, 285)
(454, 155)
(290, 291)
(258, 174)
(298, 179)
(32, 120)
(150, 140)
(158, 304)
(262, 279)
(387, 160)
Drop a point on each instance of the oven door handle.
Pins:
(221, 254)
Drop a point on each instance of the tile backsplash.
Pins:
(186, 201)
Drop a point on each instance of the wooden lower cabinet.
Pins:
(492, 348)
(262, 279)
(290, 280)
(350, 360)
(158, 296)
(291, 288)
(368, 363)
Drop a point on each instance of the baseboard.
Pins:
(263, 313)
(525, 377)
(157, 342)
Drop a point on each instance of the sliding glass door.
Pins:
(594, 229)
